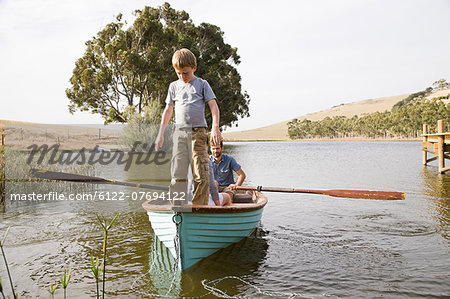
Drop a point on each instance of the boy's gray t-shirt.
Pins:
(189, 100)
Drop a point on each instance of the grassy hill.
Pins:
(279, 131)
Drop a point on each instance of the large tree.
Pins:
(127, 69)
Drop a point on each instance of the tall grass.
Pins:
(15, 176)
(65, 279)
(106, 227)
(95, 268)
(2, 242)
(1, 288)
(52, 288)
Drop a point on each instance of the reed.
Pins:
(1, 288)
(15, 171)
(2, 242)
(106, 227)
(95, 268)
(52, 288)
(65, 280)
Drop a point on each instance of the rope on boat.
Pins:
(211, 286)
(174, 219)
(177, 219)
(153, 257)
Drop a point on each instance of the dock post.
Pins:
(2, 169)
(424, 140)
(440, 129)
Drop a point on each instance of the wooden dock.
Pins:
(437, 144)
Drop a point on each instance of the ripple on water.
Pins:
(312, 245)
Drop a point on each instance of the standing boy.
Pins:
(188, 96)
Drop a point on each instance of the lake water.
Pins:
(306, 245)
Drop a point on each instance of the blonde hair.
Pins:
(183, 58)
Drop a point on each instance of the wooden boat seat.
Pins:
(246, 197)
(244, 202)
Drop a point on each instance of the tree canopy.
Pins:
(441, 84)
(127, 69)
(404, 120)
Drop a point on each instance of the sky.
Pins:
(297, 57)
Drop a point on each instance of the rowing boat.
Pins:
(193, 234)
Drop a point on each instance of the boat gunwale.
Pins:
(204, 209)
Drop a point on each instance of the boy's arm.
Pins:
(216, 137)
(167, 114)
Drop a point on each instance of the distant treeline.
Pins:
(405, 120)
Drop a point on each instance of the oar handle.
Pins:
(268, 189)
(277, 189)
(362, 194)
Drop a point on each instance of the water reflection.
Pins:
(437, 188)
(225, 270)
(238, 260)
(317, 246)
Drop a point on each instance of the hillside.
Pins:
(276, 131)
(279, 131)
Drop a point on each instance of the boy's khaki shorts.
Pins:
(190, 147)
(200, 166)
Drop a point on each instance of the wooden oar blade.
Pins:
(71, 177)
(366, 194)
(64, 176)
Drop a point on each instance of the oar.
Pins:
(64, 176)
(364, 194)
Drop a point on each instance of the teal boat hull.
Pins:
(204, 230)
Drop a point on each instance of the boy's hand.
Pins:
(159, 142)
(216, 136)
